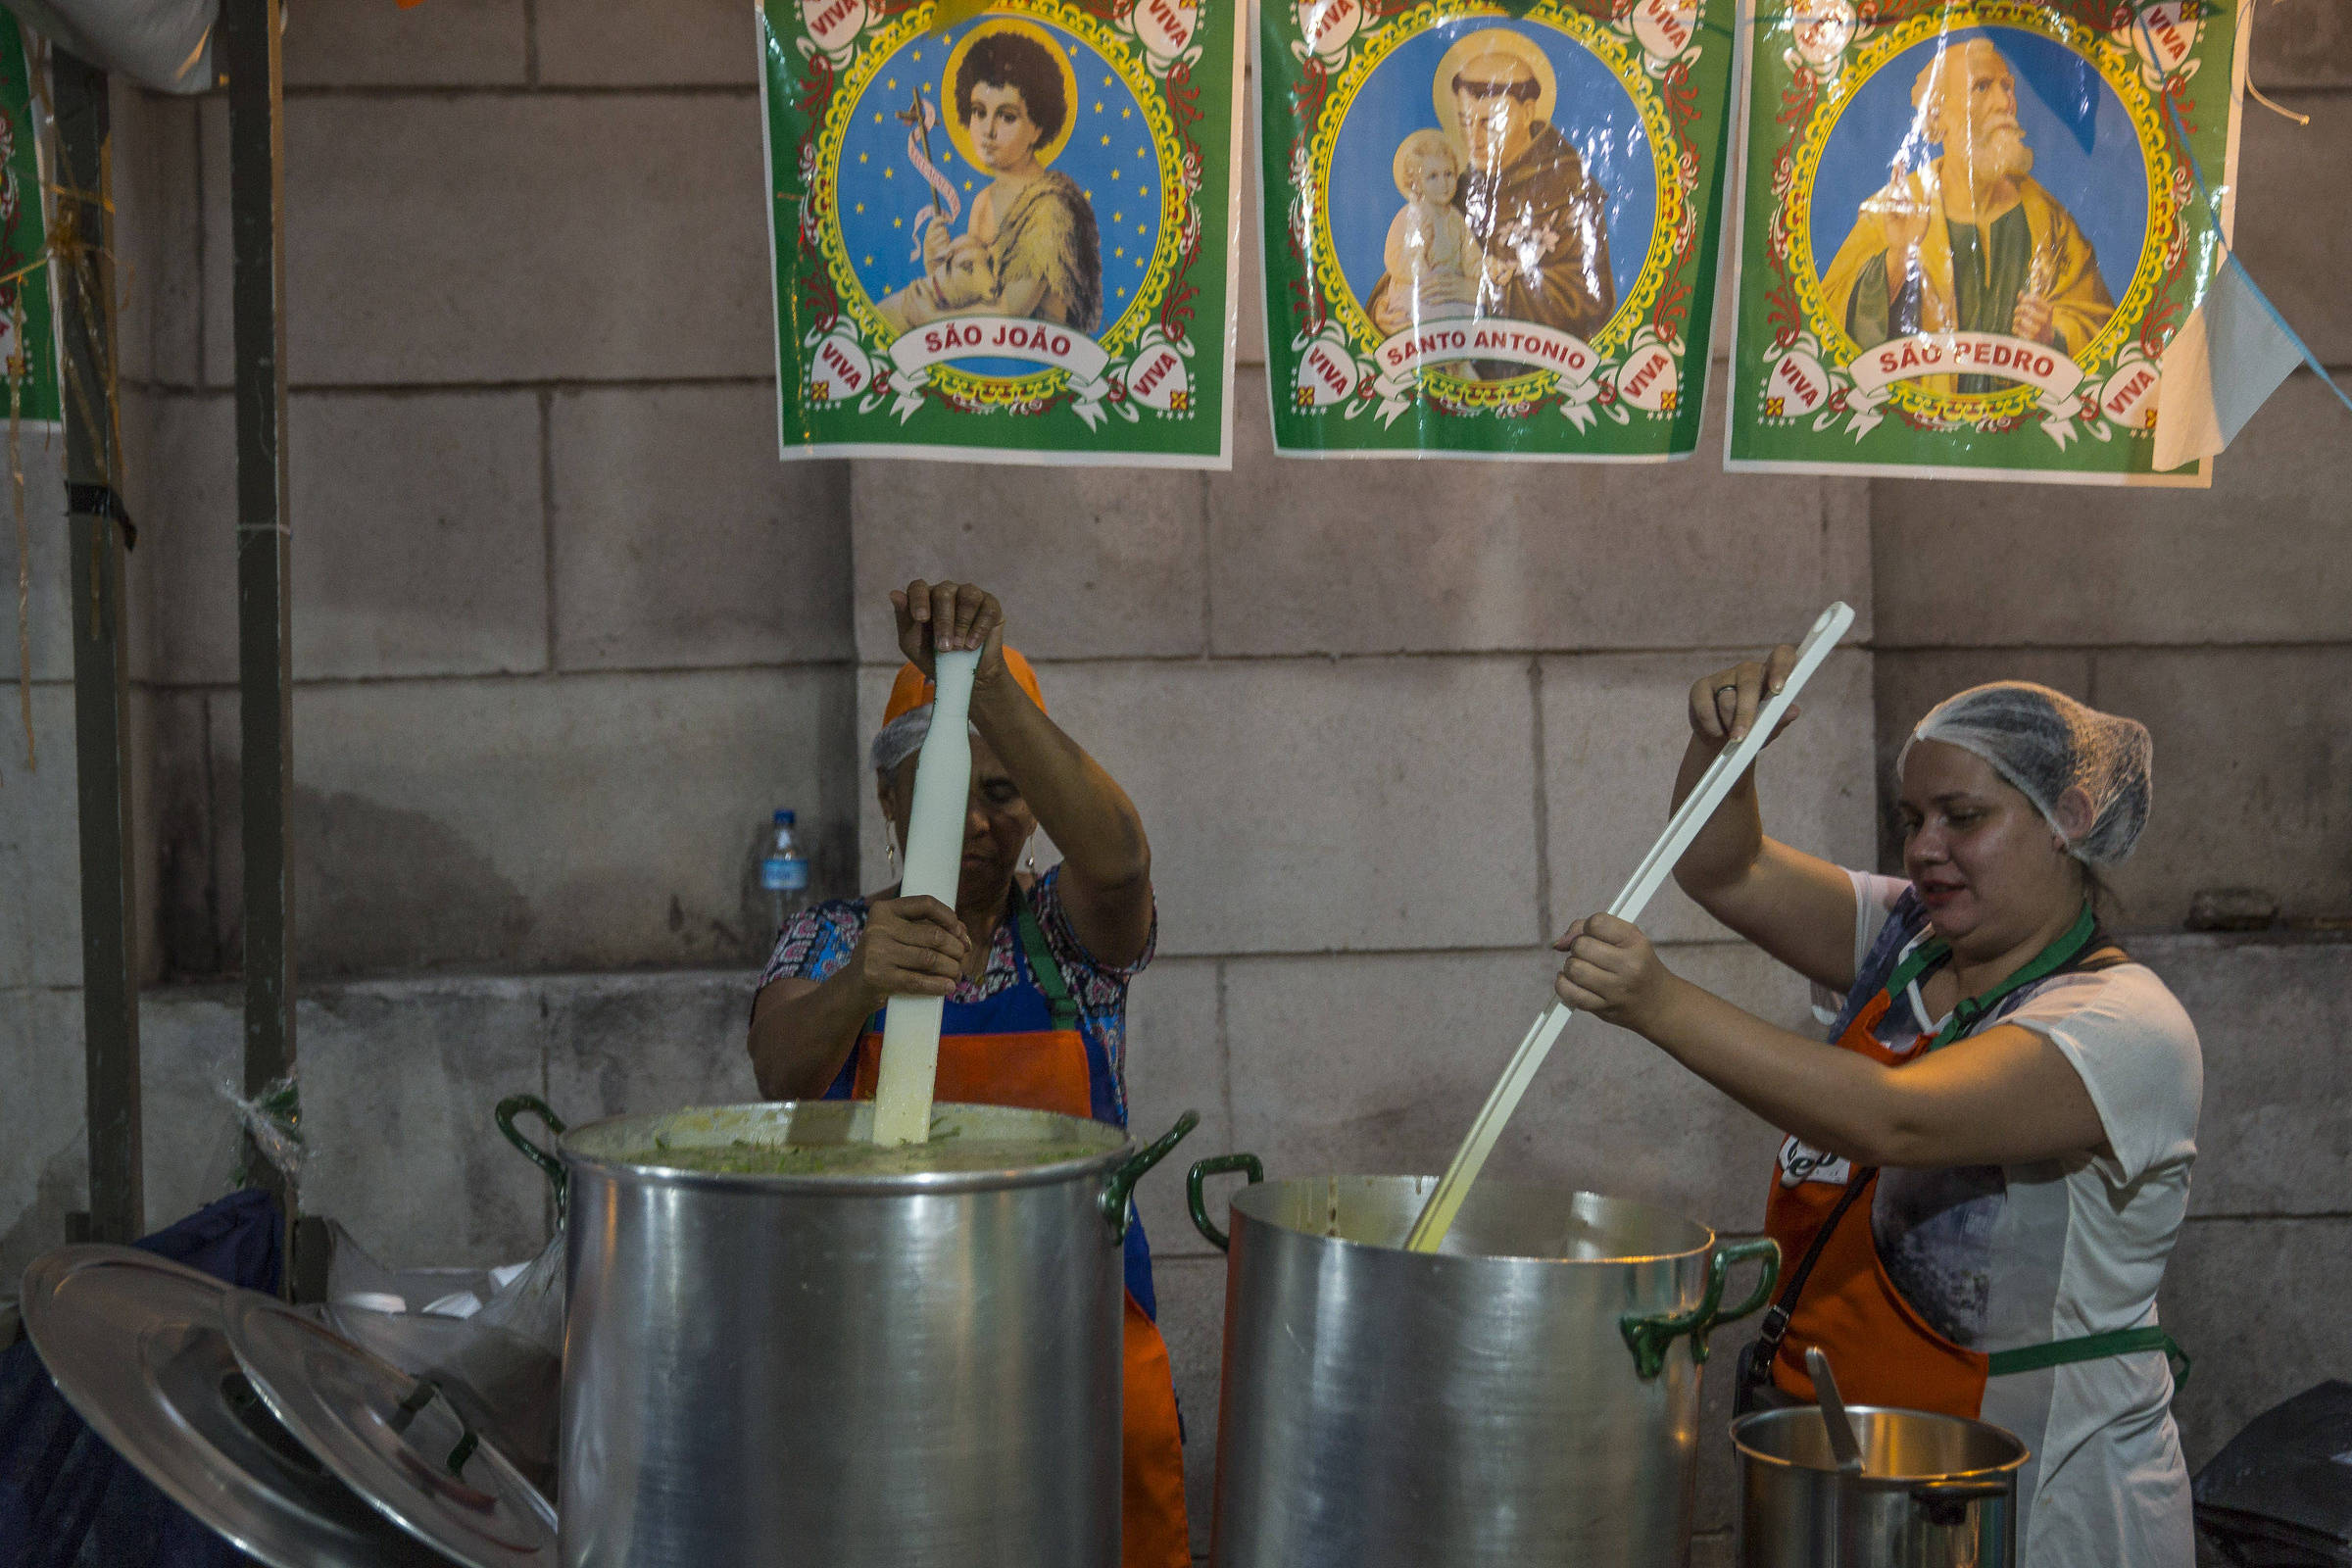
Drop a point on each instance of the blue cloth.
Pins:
(66, 1497)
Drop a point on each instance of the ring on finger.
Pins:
(1719, 690)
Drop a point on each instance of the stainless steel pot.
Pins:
(1935, 1491)
(1514, 1399)
(898, 1370)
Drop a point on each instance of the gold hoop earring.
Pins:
(890, 850)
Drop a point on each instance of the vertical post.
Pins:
(101, 665)
(250, 51)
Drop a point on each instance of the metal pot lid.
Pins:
(134, 1344)
(396, 1440)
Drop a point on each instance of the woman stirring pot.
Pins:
(1987, 1167)
(1033, 969)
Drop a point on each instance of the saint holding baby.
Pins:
(1534, 222)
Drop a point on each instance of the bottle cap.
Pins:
(784, 820)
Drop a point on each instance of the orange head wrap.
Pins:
(914, 689)
(911, 695)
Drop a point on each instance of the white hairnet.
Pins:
(2045, 743)
(903, 737)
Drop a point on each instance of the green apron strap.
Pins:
(2048, 961)
(1041, 967)
(2091, 1347)
(1924, 958)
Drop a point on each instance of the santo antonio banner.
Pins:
(1969, 231)
(1009, 239)
(1488, 231)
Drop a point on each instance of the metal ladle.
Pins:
(1844, 1445)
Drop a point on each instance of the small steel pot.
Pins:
(1935, 1491)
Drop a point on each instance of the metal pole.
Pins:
(249, 38)
(99, 532)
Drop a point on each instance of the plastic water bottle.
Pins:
(783, 870)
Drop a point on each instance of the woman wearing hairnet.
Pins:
(1987, 1164)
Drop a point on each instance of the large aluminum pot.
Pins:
(911, 1371)
(1935, 1491)
(1515, 1398)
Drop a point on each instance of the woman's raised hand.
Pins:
(1723, 704)
(911, 948)
(947, 617)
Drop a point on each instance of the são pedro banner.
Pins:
(1970, 228)
(1010, 238)
(1490, 231)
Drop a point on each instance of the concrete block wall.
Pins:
(565, 630)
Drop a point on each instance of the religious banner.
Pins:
(28, 328)
(1970, 228)
(1010, 238)
(1491, 233)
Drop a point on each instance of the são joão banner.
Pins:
(1008, 239)
(1490, 232)
(1969, 230)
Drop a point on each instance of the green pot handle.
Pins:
(1649, 1337)
(515, 1105)
(1121, 1186)
(1197, 1201)
(1768, 1275)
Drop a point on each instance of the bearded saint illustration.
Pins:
(1969, 241)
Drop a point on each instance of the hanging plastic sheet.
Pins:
(1491, 233)
(1969, 231)
(163, 44)
(1006, 235)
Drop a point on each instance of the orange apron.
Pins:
(1883, 1351)
(1841, 1298)
(991, 1053)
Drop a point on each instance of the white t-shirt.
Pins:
(2023, 1254)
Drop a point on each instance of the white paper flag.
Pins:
(2223, 364)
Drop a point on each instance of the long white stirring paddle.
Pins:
(942, 781)
(1437, 1216)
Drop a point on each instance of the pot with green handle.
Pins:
(1527, 1394)
(842, 1366)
